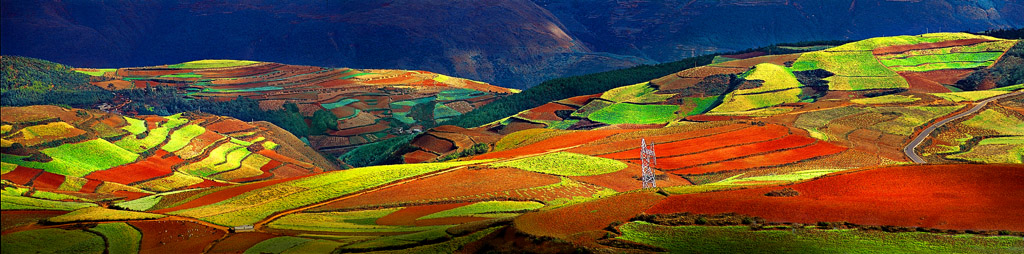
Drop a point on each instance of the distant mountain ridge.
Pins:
(508, 43)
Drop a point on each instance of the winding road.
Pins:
(909, 149)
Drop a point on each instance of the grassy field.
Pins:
(638, 93)
(776, 77)
(994, 120)
(182, 137)
(102, 214)
(210, 63)
(152, 139)
(121, 238)
(483, 208)
(401, 240)
(354, 221)
(969, 95)
(135, 126)
(276, 245)
(79, 159)
(239, 210)
(627, 113)
(735, 102)
(53, 240)
(1001, 151)
(886, 99)
(14, 202)
(565, 164)
(740, 239)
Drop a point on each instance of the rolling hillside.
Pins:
(802, 152)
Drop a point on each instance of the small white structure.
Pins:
(648, 158)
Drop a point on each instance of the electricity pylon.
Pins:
(648, 159)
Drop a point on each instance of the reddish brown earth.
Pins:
(13, 218)
(239, 242)
(152, 167)
(407, 216)
(563, 141)
(579, 218)
(22, 175)
(694, 145)
(961, 196)
(942, 44)
(726, 153)
(620, 145)
(171, 236)
(629, 179)
(919, 83)
(765, 160)
(545, 112)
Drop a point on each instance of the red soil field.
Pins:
(452, 185)
(221, 195)
(449, 220)
(562, 141)
(90, 186)
(407, 216)
(129, 195)
(418, 156)
(726, 153)
(433, 144)
(153, 167)
(581, 100)
(941, 44)
(381, 125)
(48, 180)
(919, 83)
(22, 175)
(228, 125)
(239, 242)
(285, 159)
(170, 236)
(518, 125)
(569, 220)
(629, 179)
(950, 76)
(765, 160)
(688, 146)
(712, 118)
(206, 183)
(961, 196)
(618, 146)
(545, 112)
(13, 218)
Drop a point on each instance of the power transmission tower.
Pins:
(647, 158)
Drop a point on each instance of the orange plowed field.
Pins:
(433, 143)
(153, 167)
(919, 83)
(418, 156)
(167, 236)
(48, 180)
(726, 153)
(694, 145)
(580, 100)
(381, 125)
(962, 196)
(545, 112)
(22, 175)
(229, 125)
(629, 179)
(407, 216)
(563, 141)
(565, 221)
(766, 160)
(618, 146)
(450, 185)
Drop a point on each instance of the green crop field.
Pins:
(565, 164)
(878, 42)
(53, 240)
(276, 244)
(734, 102)
(102, 214)
(638, 93)
(998, 151)
(120, 237)
(226, 155)
(339, 103)
(843, 63)
(627, 113)
(14, 202)
(525, 137)
(993, 120)
(253, 206)
(210, 63)
(892, 98)
(182, 137)
(152, 139)
(590, 108)
(135, 126)
(78, 159)
(740, 239)
(776, 77)
(401, 240)
(97, 72)
(844, 83)
(458, 94)
(483, 208)
(354, 221)
(970, 95)
(442, 111)
(910, 118)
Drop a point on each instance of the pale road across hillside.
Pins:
(909, 149)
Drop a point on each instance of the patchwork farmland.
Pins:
(801, 152)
